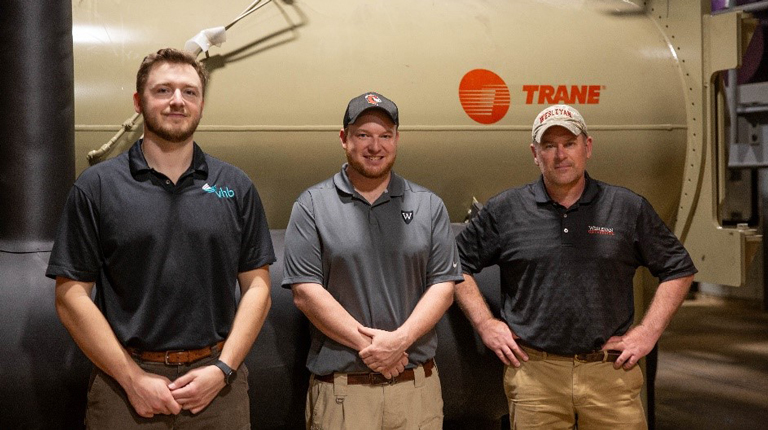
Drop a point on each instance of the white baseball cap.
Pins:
(562, 115)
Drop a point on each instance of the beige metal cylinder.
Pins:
(281, 81)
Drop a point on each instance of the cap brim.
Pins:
(382, 109)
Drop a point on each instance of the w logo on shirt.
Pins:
(407, 216)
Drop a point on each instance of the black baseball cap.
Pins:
(370, 100)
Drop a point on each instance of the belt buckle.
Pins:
(379, 379)
(167, 359)
(581, 358)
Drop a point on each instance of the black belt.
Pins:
(374, 378)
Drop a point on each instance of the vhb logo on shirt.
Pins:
(222, 193)
(407, 216)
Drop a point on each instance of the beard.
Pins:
(368, 172)
(171, 133)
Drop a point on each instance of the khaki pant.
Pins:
(416, 404)
(109, 408)
(555, 394)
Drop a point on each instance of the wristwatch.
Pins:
(229, 374)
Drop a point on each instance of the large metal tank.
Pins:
(282, 79)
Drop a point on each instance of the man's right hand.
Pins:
(149, 395)
(396, 368)
(393, 371)
(499, 338)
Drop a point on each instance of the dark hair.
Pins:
(168, 55)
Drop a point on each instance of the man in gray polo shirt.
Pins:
(372, 262)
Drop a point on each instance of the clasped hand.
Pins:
(386, 353)
(154, 394)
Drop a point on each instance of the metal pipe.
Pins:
(37, 156)
(752, 7)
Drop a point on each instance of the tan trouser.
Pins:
(109, 408)
(416, 404)
(556, 394)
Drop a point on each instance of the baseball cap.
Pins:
(562, 115)
(370, 100)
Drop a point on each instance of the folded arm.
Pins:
(148, 393)
(638, 341)
(197, 388)
(388, 346)
(327, 314)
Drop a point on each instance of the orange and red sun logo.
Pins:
(484, 96)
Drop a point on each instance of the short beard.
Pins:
(371, 174)
(170, 134)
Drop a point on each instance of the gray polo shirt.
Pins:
(376, 260)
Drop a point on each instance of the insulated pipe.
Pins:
(37, 156)
(44, 376)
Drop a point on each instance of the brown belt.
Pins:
(602, 356)
(176, 357)
(373, 378)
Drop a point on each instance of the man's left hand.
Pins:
(386, 348)
(634, 345)
(197, 388)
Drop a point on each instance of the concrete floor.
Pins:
(713, 367)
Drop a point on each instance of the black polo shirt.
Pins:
(165, 257)
(376, 260)
(566, 274)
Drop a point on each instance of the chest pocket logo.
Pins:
(407, 216)
(220, 192)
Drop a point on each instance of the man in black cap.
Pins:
(372, 262)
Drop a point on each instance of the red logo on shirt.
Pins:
(600, 230)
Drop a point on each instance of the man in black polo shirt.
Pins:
(568, 247)
(165, 232)
(372, 262)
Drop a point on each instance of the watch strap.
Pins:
(228, 372)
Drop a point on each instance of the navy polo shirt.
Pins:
(566, 274)
(165, 257)
(376, 260)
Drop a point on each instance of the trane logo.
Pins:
(562, 94)
(486, 98)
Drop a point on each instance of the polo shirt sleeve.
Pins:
(479, 242)
(76, 252)
(659, 248)
(303, 256)
(443, 265)
(256, 245)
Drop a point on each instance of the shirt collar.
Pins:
(395, 188)
(138, 163)
(591, 190)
